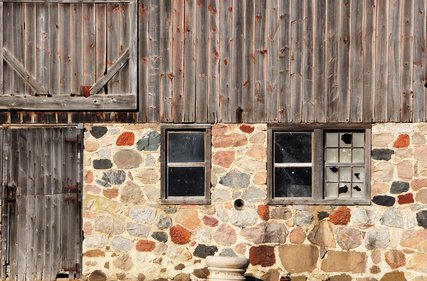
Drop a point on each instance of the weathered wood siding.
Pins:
(68, 55)
(273, 61)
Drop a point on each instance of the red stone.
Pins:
(145, 246)
(94, 253)
(210, 221)
(405, 198)
(231, 140)
(263, 212)
(111, 193)
(402, 141)
(224, 158)
(179, 235)
(262, 255)
(247, 128)
(341, 216)
(395, 258)
(89, 177)
(126, 139)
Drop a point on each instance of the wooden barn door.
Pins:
(41, 203)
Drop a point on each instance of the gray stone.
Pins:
(160, 236)
(255, 234)
(164, 222)
(150, 161)
(137, 230)
(359, 217)
(95, 241)
(349, 238)
(227, 252)
(152, 192)
(275, 233)
(303, 218)
(202, 251)
(145, 215)
(322, 215)
(110, 225)
(384, 200)
(392, 218)
(253, 194)
(127, 159)
(222, 213)
(422, 219)
(221, 195)
(235, 179)
(281, 213)
(398, 187)
(131, 193)
(114, 177)
(382, 154)
(102, 164)
(122, 244)
(149, 142)
(98, 131)
(377, 238)
(243, 218)
(104, 154)
(170, 210)
(204, 235)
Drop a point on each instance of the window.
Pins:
(319, 165)
(185, 158)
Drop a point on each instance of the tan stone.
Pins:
(88, 176)
(258, 138)
(231, 140)
(421, 153)
(257, 152)
(405, 170)
(382, 171)
(240, 248)
(224, 158)
(394, 276)
(421, 168)
(220, 129)
(415, 239)
(376, 256)
(403, 153)
(418, 138)
(251, 165)
(380, 188)
(123, 262)
(421, 196)
(91, 146)
(298, 258)
(260, 178)
(383, 140)
(418, 262)
(417, 184)
(354, 262)
(225, 235)
(297, 235)
(149, 176)
(322, 235)
(395, 258)
(188, 218)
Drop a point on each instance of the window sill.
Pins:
(185, 201)
(309, 201)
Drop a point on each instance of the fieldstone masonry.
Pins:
(128, 235)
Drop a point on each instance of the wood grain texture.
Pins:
(420, 60)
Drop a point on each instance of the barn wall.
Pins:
(128, 235)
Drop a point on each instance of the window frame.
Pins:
(185, 200)
(318, 164)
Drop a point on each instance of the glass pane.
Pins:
(344, 189)
(345, 155)
(186, 181)
(331, 174)
(358, 155)
(186, 147)
(357, 189)
(331, 190)
(331, 139)
(345, 174)
(358, 140)
(292, 182)
(292, 147)
(346, 139)
(332, 155)
(358, 174)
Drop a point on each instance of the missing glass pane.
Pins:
(293, 182)
(331, 174)
(292, 147)
(346, 139)
(186, 147)
(186, 181)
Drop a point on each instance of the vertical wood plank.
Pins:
(331, 59)
(297, 12)
(132, 78)
(1, 49)
(8, 74)
(18, 45)
(369, 43)
(420, 60)
(115, 17)
(201, 72)
(320, 62)
(154, 74)
(65, 50)
(143, 59)
(54, 54)
(284, 61)
(272, 75)
(189, 61)
(381, 61)
(343, 101)
(260, 60)
(39, 204)
(88, 44)
(236, 105)
(213, 61)
(308, 109)
(407, 59)
(100, 42)
(248, 62)
(178, 60)
(42, 44)
(123, 44)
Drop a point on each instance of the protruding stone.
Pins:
(401, 141)
(126, 139)
(102, 164)
(202, 251)
(182, 277)
(322, 215)
(299, 258)
(398, 187)
(275, 233)
(384, 200)
(132, 194)
(281, 213)
(160, 236)
(417, 184)
(377, 238)
(382, 154)
(210, 221)
(91, 146)
(422, 219)
(149, 142)
(349, 238)
(137, 230)
(375, 269)
(235, 179)
(262, 255)
(243, 218)
(123, 262)
(225, 235)
(395, 258)
(251, 165)
(394, 276)
(297, 235)
(352, 262)
(146, 215)
(223, 158)
(382, 139)
(322, 235)
(188, 218)
(255, 234)
(407, 198)
(260, 178)
(340, 216)
(98, 131)
(257, 152)
(179, 235)
(110, 225)
(97, 275)
(127, 159)
(201, 273)
(94, 253)
(145, 246)
(392, 218)
(110, 193)
(122, 244)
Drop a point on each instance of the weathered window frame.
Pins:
(318, 164)
(200, 200)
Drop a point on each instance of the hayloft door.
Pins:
(41, 203)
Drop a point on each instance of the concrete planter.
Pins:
(226, 268)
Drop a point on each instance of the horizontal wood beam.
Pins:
(67, 103)
(69, 1)
(121, 61)
(23, 72)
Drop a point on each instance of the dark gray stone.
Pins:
(149, 142)
(102, 164)
(201, 273)
(398, 187)
(384, 200)
(228, 253)
(322, 215)
(115, 177)
(170, 210)
(202, 251)
(235, 179)
(98, 131)
(382, 154)
(164, 222)
(160, 236)
(422, 219)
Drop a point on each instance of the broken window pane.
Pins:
(331, 174)
(346, 139)
(344, 189)
(186, 181)
(293, 182)
(292, 147)
(186, 147)
(358, 174)
(357, 190)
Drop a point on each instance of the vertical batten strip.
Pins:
(190, 56)
(165, 61)
(213, 61)
(296, 89)
(88, 44)
(18, 46)
(319, 62)
(284, 61)
(260, 61)
(202, 48)
(236, 103)
(308, 110)
(420, 61)
(42, 44)
(248, 62)
(178, 60)
(100, 42)
(1, 49)
(406, 64)
(143, 60)
(332, 105)
(55, 70)
(133, 48)
(272, 72)
(154, 62)
(342, 110)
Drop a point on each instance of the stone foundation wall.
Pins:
(130, 236)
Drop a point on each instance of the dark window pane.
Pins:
(186, 181)
(186, 147)
(292, 147)
(292, 182)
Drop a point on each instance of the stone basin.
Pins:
(226, 268)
